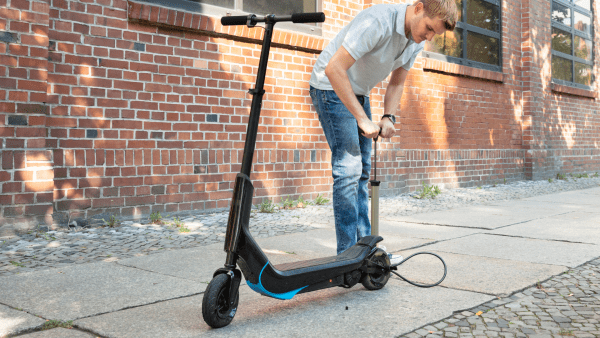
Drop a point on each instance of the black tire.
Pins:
(377, 281)
(217, 311)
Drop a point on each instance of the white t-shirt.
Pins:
(375, 38)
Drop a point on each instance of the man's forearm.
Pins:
(392, 98)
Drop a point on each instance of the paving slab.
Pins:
(520, 249)
(13, 321)
(495, 276)
(199, 264)
(580, 227)
(427, 232)
(90, 289)
(58, 332)
(587, 197)
(336, 312)
(488, 217)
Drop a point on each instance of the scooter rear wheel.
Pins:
(376, 281)
(217, 309)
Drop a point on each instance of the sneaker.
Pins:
(395, 259)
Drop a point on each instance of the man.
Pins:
(382, 39)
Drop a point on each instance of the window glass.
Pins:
(459, 6)
(483, 14)
(583, 74)
(561, 14)
(561, 41)
(582, 23)
(448, 44)
(583, 48)
(281, 7)
(562, 69)
(587, 4)
(220, 3)
(482, 48)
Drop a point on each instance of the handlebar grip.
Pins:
(308, 17)
(234, 20)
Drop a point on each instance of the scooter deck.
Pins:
(354, 255)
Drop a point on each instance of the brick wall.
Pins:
(26, 172)
(121, 107)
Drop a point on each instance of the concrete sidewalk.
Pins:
(492, 252)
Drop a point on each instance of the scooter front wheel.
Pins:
(376, 281)
(217, 308)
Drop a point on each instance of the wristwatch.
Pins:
(391, 117)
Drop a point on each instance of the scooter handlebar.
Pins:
(253, 19)
(234, 20)
(308, 17)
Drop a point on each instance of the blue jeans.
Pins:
(350, 166)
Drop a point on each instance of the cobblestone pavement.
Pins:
(567, 305)
(52, 249)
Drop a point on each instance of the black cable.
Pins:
(417, 284)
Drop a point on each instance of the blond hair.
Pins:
(443, 9)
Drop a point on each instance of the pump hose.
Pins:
(391, 268)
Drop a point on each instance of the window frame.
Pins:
(217, 11)
(574, 32)
(466, 28)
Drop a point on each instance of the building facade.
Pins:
(130, 107)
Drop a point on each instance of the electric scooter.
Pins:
(363, 262)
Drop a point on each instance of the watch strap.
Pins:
(391, 117)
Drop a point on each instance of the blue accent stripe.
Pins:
(261, 289)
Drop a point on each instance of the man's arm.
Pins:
(393, 95)
(336, 71)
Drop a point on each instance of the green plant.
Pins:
(17, 264)
(595, 175)
(287, 203)
(565, 333)
(51, 324)
(505, 181)
(478, 187)
(267, 206)
(177, 222)
(320, 200)
(428, 191)
(112, 221)
(586, 175)
(301, 203)
(549, 180)
(183, 228)
(156, 218)
(563, 177)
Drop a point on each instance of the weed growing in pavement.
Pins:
(156, 218)
(301, 203)
(177, 222)
(549, 180)
(287, 203)
(17, 264)
(595, 175)
(52, 324)
(183, 228)
(429, 192)
(565, 333)
(563, 177)
(266, 206)
(112, 221)
(505, 181)
(320, 200)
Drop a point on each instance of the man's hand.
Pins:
(387, 128)
(367, 128)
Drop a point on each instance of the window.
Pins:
(475, 41)
(572, 43)
(242, 7)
